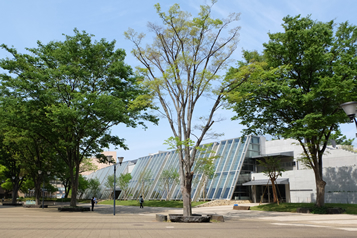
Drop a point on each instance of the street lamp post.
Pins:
(43, 187)
(48, 175)
(3, 198)
(350, 109)
(120, 159)
(13, 190)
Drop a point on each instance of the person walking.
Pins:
(141, 200)
(92, 201)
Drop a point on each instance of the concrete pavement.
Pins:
(136, 222)
(334, 221)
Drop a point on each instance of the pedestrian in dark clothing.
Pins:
(141, 200)
(92, 201)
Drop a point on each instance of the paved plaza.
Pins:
(136, 222)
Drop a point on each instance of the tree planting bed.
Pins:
(195, 218)
(74, 209)
(12, 204)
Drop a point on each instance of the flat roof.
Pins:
(266, 181)
(280, 155)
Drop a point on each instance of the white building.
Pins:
(238, 176)
(339, 173)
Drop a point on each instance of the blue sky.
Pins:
(25, 22)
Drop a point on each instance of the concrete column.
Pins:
(287, 193)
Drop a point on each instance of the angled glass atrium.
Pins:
(232, 169)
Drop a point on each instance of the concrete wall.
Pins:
(131, 167)
(340, 174)
(341, 184)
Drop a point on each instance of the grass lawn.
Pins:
(151, 203)
(291, 207)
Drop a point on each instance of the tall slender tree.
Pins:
(180, 67)
(123, 182)
(205, 167)
(168, 179)
(272, 169)
(109, 183)
(144, 181)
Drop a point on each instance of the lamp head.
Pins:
(120, 159)
(350, 109)
(110, 158)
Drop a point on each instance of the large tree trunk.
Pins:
(320, 192)
(74, 192)
(67, 187)
(275, 196)
(38, 192)
(320, 184)
(74, 186)
(14, 193)
(186, 197)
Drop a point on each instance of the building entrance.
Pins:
(242, 193)
(268, 195)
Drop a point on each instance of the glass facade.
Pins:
(232, 168)
(101, 175)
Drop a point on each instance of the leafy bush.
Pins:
(319, 210)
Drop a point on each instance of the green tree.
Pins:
(123, 182)
(272, 169)
(93, 186)
(206, 167)
(83, 185)
(181, 66)
(7, 185)
(63, 175)
(168, 179)
(87, 165)
(109, 183)
(71, 93)
(33, 153)
(2, 172)
(14, 171)
(296, 87)
(144, 181)
(340, 139)
(61, 171)
(27, 185)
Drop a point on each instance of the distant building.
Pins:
(94, 161)
(238, 175)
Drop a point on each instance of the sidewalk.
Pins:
(136, 222)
